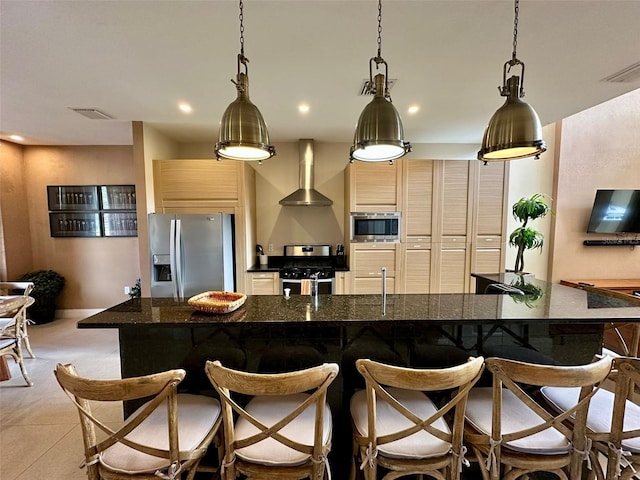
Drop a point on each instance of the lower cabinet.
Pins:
(450, 261)
(263, 283)
(341, 286)
(417, 265)
(366, 267)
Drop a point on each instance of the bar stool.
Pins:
(398, 427)
(512, 434)
(284, 430)
(613, 419)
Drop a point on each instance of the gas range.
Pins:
(305, 261)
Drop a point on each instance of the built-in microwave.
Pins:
(375, 226)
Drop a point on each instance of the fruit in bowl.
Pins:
(217, 302)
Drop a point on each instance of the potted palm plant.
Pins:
(47, 286)
(524, 237)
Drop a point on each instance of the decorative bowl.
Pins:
(217, 302)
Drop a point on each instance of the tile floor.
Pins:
(39, 431)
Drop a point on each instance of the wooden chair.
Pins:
(398, 427)
(8, 323)
(284, 431)
(165, 437)
(11, 338)
(511, 433)
(613, 420)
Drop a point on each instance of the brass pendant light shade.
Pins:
(514, 131)
(379, 135)
(243, 132)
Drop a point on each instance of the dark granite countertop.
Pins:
(552, 303)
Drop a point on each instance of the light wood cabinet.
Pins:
(342, 280)
(374, 186)
(418, 201)
(367, 261)
(416, 274)
(263, 283)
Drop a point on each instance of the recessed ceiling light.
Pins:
(17, 138)
(413, 109)
(185, 107)
(303, 108)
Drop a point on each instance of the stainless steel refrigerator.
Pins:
(191, 254)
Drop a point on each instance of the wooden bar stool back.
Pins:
(11, 337)
(398, 426)
(512, 434)
(613, 420)
(284, 430)
(165, 438)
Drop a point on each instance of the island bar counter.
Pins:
(564, 323)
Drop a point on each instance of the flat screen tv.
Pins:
(615, 211)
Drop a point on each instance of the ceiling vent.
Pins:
(366, 87)
(626, 75)
(92, 113)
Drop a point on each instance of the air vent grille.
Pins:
(365, 90)
(626, 75)
(92, 113)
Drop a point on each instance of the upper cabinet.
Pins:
(418, 190)
(198, 183)
(374, 186)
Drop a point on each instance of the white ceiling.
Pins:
(135, 60)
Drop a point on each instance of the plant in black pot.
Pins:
(47, 286)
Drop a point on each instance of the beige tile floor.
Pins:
(39, 430)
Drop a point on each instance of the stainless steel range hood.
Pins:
(306, 195)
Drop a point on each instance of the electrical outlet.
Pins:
(127, 290)
(270, 248)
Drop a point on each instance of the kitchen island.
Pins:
(555, 322)
(561, 322)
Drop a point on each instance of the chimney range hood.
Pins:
(306, 195)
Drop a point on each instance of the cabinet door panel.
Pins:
(419, 186)
(487, 260)
(375, 184)
(490, 198)
(196, 180)
(417, 271)
(452, 270)
(368, 263)
(455, 197)
(373, 285)
(264, 283)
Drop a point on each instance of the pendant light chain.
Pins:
(241, 17)
(380, 29)
(515, 28)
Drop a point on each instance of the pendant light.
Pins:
(379, 136)
(514, 131)
(243, 132)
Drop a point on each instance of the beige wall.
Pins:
(600, 148)
(526, 177)
(15, 242)
(96, 269)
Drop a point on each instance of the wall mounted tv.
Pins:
(615, 211)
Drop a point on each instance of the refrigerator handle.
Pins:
(172, 260)
(179, 263)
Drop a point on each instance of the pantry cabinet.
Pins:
(453, 222)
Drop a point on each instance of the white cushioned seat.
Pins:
(388, 420)
(600, 411)
(196, 416)
(515, 416)
(271, 409)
